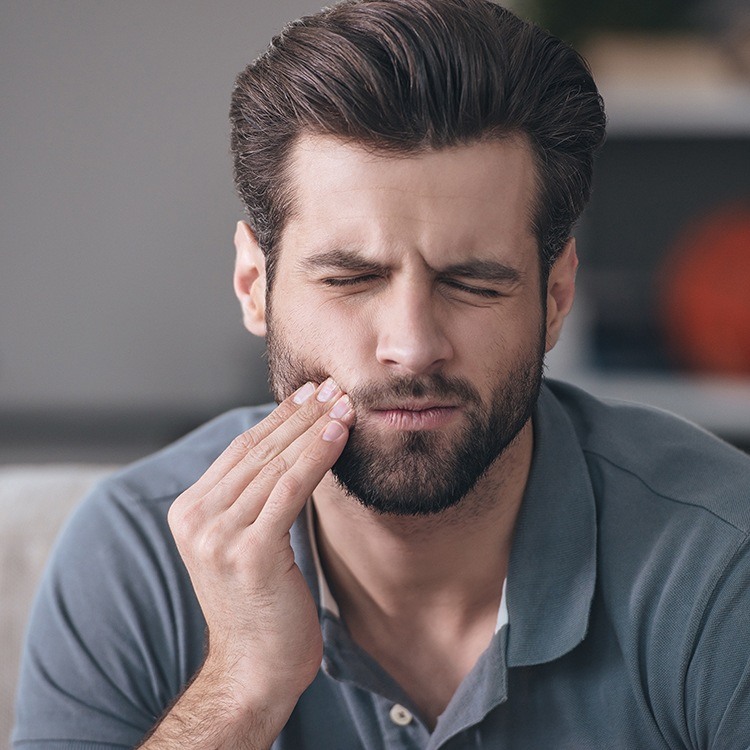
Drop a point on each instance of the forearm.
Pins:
(212, 713)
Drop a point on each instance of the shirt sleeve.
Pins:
(717, 696)
(115, 632)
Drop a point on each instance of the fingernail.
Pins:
(304, 393)
(327, 390)
(340, 408)
(333, 431)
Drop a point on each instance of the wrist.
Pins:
(246, 696)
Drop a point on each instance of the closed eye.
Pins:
(346, 281)
(339, 281)
(479, 291)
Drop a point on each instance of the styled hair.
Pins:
(405, 76)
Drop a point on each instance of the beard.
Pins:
(419, 473)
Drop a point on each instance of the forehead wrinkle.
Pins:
(310, 145)
(315, 143)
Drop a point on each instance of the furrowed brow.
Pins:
(485, 270)
(340, 260)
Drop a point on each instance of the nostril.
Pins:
(415, 356)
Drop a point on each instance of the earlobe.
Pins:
(250, 279)
(561, 286)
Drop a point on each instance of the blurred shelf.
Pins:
(717, 403)
(722, 112)
(671, 84)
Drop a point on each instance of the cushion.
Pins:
(34, 502)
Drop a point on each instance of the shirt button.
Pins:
(400, 715)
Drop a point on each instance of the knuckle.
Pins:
(181, 517)
(244, 443)
(275, 469)
(262, 453)
(224, 488)
(208, 553)
(289, 484)
(316, 453)
(188, 521)
(281, 413)
(212, 550)
(174, 514)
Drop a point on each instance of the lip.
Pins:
(424, 416)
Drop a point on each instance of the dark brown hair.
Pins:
(402, 76)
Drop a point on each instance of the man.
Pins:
(423, 546)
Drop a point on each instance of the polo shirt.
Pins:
(628, 605)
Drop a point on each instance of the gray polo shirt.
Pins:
(628, 599)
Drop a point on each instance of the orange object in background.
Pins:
(705, 293)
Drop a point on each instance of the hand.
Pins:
(232, 531)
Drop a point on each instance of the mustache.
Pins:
(290, 375)
(437, 386)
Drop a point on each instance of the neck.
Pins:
(446, 568)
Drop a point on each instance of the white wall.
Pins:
(117, 211)
(116, 202)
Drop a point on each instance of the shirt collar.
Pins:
(327, 601)
(552, 568)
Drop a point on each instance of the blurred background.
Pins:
(119, 330)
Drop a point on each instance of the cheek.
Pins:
(505, 344)
(335, 340)
(507, 333)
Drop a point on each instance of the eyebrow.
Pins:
(350, 260)
(485, 270)
(346, 260)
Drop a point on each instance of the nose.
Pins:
(411, 334)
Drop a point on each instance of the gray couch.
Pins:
(34, 502)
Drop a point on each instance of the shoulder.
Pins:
(116, 548)
(119, 530)
(673, 559)
(668, 458)
(107, 675)
(173, 469)
(128, 508)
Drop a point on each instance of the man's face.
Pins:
(414, 282)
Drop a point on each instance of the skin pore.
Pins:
(414, 282)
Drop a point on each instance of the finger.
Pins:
(227, 477)
(245, 441)
(245, 510)
(299, 403)
(229, 487)
(293, 489)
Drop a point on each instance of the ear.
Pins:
(250, 279)
(561, 288)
